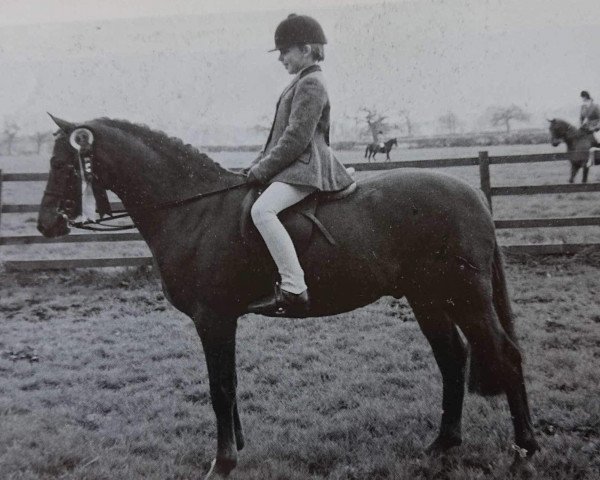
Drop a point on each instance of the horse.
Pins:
(578, 140)
(422, 235)
(375, 148)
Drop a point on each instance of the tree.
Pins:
(376, 122)
(10, 133)
(504, 115)
(409, 126)
(449, 122)
(41, 138)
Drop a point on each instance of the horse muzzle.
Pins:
(57, 226)
(555, 142)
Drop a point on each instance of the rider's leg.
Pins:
(277, 197)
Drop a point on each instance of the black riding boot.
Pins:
(282, 303)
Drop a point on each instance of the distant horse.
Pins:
(423, 235)
(375, 148)
(578, 140)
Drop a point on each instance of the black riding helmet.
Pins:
(298, 30)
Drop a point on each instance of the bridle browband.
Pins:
(81, 139)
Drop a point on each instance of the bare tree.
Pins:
(376, 122)
(504, 115)
(10, 133)
(41, 138)
(449, 122)
(408, 126)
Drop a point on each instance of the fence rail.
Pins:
(483, 162)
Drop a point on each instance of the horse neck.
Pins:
(143, 178)
(569, 132)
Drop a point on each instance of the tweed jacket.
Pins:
(589, 113)
(297, 150)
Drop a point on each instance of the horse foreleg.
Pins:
(450, 354)
(574, 170)
(237, 426)
(218, 340)
(584, 178)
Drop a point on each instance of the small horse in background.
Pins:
(578, 140)
(375, 148)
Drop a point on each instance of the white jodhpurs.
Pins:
(277, 197)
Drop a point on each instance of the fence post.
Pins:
(484, 176)
(0, 197)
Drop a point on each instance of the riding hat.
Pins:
(298, 30)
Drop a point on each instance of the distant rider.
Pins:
(382, 139)
(590, 115)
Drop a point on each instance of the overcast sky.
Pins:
(14, 12)
(182, 64)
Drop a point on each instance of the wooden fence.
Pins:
(483, 161)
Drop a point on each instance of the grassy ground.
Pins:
(101, 379)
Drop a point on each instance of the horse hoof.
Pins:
(213, 474)
(522, 467)
(442, 444)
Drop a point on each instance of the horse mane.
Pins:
(565, 127)
(167, 146)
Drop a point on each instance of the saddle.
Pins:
(300, 220)
(593, 156)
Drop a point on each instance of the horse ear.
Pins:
(65, 126)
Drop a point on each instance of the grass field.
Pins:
(101, 379)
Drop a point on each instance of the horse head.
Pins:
(144, 168)
(558, 131)
(71, 166)
(61, 194)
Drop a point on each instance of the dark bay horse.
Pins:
(578, 140)
(407, 233)
(374, 148)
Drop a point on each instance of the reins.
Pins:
(81, 139)
(89, 225)
(198, 196)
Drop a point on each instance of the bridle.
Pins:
(82, 140)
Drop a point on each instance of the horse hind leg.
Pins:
(584, 178)
(450, 354)
(498, 361)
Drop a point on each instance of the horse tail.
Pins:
(481, 379)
